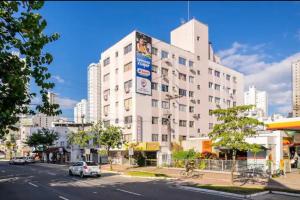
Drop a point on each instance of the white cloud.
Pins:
(273, 77)
(66, 103)
(58, 79)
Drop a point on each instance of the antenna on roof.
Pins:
(188, 18)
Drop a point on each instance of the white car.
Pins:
(85, 169)
(17, 161)
(29, 159)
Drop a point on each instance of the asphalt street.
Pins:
(50, 182)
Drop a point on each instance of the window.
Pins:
(182, 76)
(210, 85)
(198, 57)
(198, 87)
(233, 91)
(191, 124)
(117, 54)
(127, 137)
(127, 86)
(182, 92)
(154, 51)
(217, 87)
(234, 104)
(210, 98)
(191, 79)
(128, 120)
(127, 104)
(217, 73)
(198, 72)
(117, 120)
(164, 54)
(154, 86)
(165, 105)
(234, 79)
(106, 61)
(210, 125)
(210, 112)
(154, 103)
(164, 121)
(106, 94)
(228, 77)
(154, 68)
(191, 63)
(128, 67)
(164, 138)
(127, 49)
(228, 103)
(182, 107)
(182, 61)
(217, 100)
(198, 38)
(191, 94)
(182, 123)
(117, 104)
(117, 71)
(154, 137)
(164, 88)
(106, 110)
(210, 71)
(198, 101)
(191, 109)
(154, 120)
(164, 71)
(106, 77)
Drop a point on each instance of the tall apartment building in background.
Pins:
(94, 82)
(296, 88)
(52, 97)
(140, 74)
(259, 99)
(81, 111)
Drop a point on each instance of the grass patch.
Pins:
(232, 189)
(145, 174)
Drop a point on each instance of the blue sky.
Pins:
(259, 39)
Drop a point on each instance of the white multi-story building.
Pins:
(81, 111)
(259, 99)
(94, 92)
(296, 88)
(141, 73)
(52, 97)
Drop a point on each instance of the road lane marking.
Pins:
(129, 192)
(50, 173)
(64, 198)
(32, 184)
(95, 192)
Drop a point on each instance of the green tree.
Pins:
(233, 129)
(111, 137)
(43, 138)
(22, 31)
(80, 138)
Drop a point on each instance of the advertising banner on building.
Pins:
(143, 64)
(139, 128)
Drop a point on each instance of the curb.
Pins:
(147, 177)
(285, 193)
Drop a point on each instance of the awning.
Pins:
(56, 150)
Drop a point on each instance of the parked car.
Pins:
(85, 169)
(29, 159)
(17, 161)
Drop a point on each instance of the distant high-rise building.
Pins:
(94, 92)
(81, 111)
(259, 99)
(52, 98)
(296, 88)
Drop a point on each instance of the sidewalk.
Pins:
(290, 181)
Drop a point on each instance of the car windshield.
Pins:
(91, 164)
(20, 157)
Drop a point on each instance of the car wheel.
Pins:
(81, 175)
(70, 173)
(98, 175)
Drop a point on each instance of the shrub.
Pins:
(184, 155)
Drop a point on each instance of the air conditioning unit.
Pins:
(193, 101)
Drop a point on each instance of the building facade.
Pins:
(94, 92)
(187, 81)
(81, 111)
(296, 88)
(52, 97)
(259, 99)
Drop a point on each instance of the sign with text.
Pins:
(143, 64)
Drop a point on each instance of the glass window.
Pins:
(228, 77)
(191, 79)
(106, 110)
(154, 120)
(182, 107)
(217, 87)
(165, 105)
(128, 120)
(128, 48)
(164, 121)
(191, 63)
(116, 54)
(182, 76)
(182, 92)
(191, 94)
(127, 86)
(234, 104)
(154, 103)
(127, 104)
(182, 123)
(154, 68)
(191, 124)
(192, 109)
(217, 73)
(217, 100)
(210, 98)
(106, 61)
(182, 61)
(154, 86)
(164, 138)
(164, 71)
(210, 125)
(154, 137)
(210, 112)
(164, 54)
(128, 67)
(210, 71)
(164, 88)
(106, 94)
(210, 85)
(154, 51)
(106, 77)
